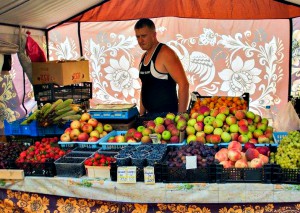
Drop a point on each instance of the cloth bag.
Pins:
(287, 119)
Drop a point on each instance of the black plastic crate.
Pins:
(22, 140)
(244, 175)
(281, 175)
(139, 173)
(70, 167)
(46, 169)
(48, 93)
(182, 175)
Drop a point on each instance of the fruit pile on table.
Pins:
(216, 131)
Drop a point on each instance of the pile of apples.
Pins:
(86, 129)
(226, 124)
(235, 156)
(167, 129)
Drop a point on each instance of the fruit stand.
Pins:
(215, 158)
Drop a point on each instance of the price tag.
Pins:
(126, 174)
(149, 176)
(191, 162)
(131, 174)
(193, 97)
(155, 139)
(122, 175)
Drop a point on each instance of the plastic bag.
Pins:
(287, 119)
(33, 50)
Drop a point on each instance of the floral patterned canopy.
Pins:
(220, 57)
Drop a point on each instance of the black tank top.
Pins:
(158, 89)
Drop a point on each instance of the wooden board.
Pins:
(11, 174)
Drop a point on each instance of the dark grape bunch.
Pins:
(205, 155)
(9, 152)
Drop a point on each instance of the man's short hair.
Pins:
(145, 22)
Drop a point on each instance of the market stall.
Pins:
(83, 147)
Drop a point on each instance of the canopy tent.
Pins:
(73, 32)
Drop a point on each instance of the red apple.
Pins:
(93, 139)
(65, 137)
(83, 136)
(85, 116)
(68, 130)
(74, 134)
(75, 124)
(93, 122)
(87, 128)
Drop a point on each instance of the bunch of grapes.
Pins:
(288, 151)
(9, 152)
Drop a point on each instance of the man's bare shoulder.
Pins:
(167, 51)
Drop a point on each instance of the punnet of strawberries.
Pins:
(99, 160)
(42, 151)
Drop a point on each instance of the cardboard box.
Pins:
(98, 171)
(60, 72)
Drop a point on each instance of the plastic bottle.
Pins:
(269, 116)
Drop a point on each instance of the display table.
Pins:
(157, 196)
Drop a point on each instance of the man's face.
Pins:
(145, 37)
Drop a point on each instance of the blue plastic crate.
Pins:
(73, 144)
(114, 145)
(15, 128)
(278, 136)
(123, 115)
(177, 144)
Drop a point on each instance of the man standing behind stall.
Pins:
(160, 72)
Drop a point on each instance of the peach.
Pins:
(243, 156)
(234, 154)
(256, 163)
(226, 164)
(241, 163)
(249, 145)
(263, 150)
(224, 150)
(221, 156)
(235, 145)
(264, 158)
(251, 153)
